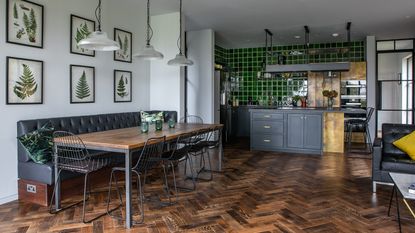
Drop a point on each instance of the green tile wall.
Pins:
(246, 62)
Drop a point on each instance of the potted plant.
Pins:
(295, 99)
(330, 94)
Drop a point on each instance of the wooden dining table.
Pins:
(130, 140)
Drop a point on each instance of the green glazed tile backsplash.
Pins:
(247, 62)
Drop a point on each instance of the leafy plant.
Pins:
(296, 98)
(330, 93)
(82, 89)
(39, 143)
(15, 13)
(30, 25)
(20, 33)
(123, 52)
(81, 33)
(121, 90)
(26, 86)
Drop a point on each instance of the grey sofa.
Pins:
(43, 173)
(388, 158)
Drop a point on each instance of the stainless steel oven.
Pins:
(353, 93)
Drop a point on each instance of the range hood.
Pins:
(312, 67)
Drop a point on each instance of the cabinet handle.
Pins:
(267, 127)
(267, 140)
(267, 116)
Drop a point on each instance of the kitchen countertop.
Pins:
(320, 109)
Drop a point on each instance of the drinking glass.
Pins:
(144, 127)
(159, 125)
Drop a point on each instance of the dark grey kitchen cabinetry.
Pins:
(244, 121)
(267, 131)
(304, 131)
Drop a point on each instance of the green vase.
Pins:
(144, 127)
(159, 125)
(172, 123)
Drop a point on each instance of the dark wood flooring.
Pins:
(257, 192)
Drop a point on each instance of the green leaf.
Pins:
(26, 86)
(121, 90)
(125, 48)
(15, 13)
(82, 89)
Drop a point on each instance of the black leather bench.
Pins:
(31, 174)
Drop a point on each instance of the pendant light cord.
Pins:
(179, 40)
(98, 15)
(149, 29)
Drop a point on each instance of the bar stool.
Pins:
(358, 125)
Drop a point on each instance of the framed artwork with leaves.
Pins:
(81, 28)
(82, 84)
(24, 81)
(124, 38)
(24, 23)
(122, 86)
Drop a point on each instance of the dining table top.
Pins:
(133, 138)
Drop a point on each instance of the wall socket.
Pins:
(30, 188)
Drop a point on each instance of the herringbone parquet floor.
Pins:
(257, 192)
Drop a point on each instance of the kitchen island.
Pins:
(298, 130)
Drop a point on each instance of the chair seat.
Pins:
(85, 166)
(178, 154)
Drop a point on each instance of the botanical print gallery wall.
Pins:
(24, 76)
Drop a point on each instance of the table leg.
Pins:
(397, 209)
(57, 183)
(390, 201)
(220, 154)
(128, 209)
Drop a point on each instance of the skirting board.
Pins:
(7, 199)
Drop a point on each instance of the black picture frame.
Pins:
(8, 101)
(71, 79)
(8, 34)
(130, 60)
(130, 84)
(71, 42)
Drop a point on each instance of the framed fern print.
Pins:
(24, 81)
(24, 23)
(82, 84)
(122, 86)
(81, 28)
(124, 38)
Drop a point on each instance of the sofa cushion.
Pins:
(407, 144)
(393, 132)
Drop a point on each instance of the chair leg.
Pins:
(85, 193)
(109, 195)
(166, 183)
(174, 181)
(51, 211)
(192, 171)
(140, 190)
(374, 186)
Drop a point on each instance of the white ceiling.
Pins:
(241, 23)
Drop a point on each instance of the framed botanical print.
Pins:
(82, 84)
(81, 28)
(122, 86)
(24, 81)
(124, 38)
(24, 23)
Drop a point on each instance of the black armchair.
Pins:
(388, 158)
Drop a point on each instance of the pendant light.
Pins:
(98, 40)
(148, 52)
(180, 59)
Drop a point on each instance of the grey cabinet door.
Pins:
(295, 130)
(244, 119)
(312, 131)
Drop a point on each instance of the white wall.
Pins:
(166, 83)
(200, 84)
(56, 59)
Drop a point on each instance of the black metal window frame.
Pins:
(379, 82)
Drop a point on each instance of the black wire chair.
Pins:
(209, 140)
(70, 154)
(191, 119)
(149, 158)
(176, 154)
(357, 125)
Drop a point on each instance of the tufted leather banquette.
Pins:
(43, 173)
(388, 158)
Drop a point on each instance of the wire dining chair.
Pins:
(70, 154)
(149, 158)
(191, 119)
